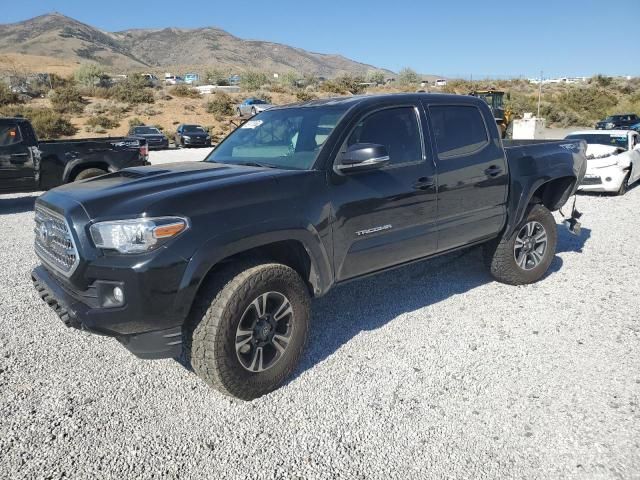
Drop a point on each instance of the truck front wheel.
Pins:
(247, 328)
(526, 255)
(89, 173)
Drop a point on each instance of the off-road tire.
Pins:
(89, 173)
(499, 254)
(624, 186)
(210, 331)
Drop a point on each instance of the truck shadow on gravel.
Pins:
(17, 204)
(371, 303)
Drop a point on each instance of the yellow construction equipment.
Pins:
(495, 100)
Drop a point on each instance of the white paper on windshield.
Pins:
(252, 124)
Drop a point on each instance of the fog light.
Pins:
(118, 295)
(608, 179)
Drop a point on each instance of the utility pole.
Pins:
(540, 93)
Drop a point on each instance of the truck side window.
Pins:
(395, 128)
(9, 135)
(459, 130)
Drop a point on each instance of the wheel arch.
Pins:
(302, 251)
(74, 168)
(551, 193)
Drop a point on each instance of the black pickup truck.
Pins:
(29, 165)
(219, 259)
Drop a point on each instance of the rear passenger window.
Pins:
(9, 135)
(458, 130)
(395, 128)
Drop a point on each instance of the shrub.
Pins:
(7, 96)
(253, 80)
(184, 91)
(408, 77)
(135, 122)
(90, 75)
(133, 90)
(47, 123)
(221, 104)
(217, 77)
(376, 77)
(67, 100)
(102, 121)
(344, 84)
(304, 96)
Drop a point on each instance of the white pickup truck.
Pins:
(613, 160)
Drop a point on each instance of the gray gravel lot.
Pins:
(431, 371)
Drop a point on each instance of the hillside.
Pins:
(61, 37)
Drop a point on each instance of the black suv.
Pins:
(614, 122)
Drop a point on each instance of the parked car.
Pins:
(173, 80)
(618, 122)
(154, 137)
(192, 136)
(191, 78)
(226, 253)
(440, 82)
(30, 165)
(151, 79)
(613, 160)
(252, 106)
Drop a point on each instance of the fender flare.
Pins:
(221, 247)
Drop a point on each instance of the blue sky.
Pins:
(454, 38)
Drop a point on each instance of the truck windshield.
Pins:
(285, 138)
(611, 139)
(146, 131)
(193, 129)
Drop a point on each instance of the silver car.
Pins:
(252, 106)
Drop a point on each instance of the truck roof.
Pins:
(372, 99)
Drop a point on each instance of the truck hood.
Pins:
(596, 151)
(135, 191)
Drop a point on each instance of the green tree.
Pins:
(216, 76)
(376, 77)
(408, 77)
(90, 75)
(253, 80)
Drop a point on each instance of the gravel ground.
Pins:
(430, 371)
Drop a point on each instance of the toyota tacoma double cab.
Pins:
(218, 260)
(30, 165)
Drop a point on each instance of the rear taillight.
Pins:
(144, 152)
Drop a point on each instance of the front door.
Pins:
(16, 159)
(385, 216)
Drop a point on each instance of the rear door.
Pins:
(17, 171)
(472, 174)
(386, 216)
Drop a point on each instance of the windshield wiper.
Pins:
(256, 164)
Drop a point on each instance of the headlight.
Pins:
(186, 137)
(610, 125)
(136, 235)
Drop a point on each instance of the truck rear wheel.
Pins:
(89, 173)
(526, 255)
(247, 329)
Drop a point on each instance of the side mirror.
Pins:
(363, 156)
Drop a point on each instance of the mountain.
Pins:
(58, 36)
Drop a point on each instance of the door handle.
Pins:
(424, 183)
(493, 170)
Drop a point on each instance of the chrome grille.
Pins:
(53, 241)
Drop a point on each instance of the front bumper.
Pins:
(196, 142)
(607, 179)
(82, 310)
